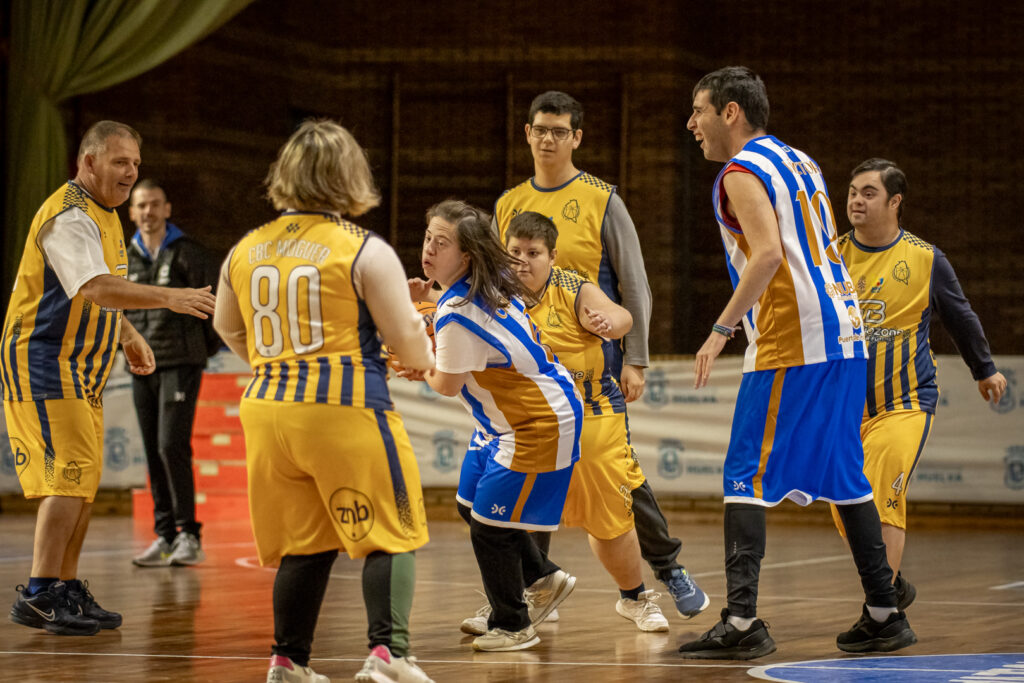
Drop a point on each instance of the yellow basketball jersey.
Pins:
(310, 337)
(583, 354)
(578, 209)
(55, 347)
(894, 286)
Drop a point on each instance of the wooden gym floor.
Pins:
(214, 623)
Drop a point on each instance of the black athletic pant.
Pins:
(299, 589)
(165, 403)
(745, 534)
(509, 561)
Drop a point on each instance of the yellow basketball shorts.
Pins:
(600, 492)
(57, 446)
(893, 443)
(325, 477)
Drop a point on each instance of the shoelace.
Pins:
(682, 579)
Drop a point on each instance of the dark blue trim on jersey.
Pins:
(324, 384)
(109, 347)
(920, 448)
(47, 338)
(476, 409)
(375, 371)
(346, 380)
(11, 353)
(875, 250)
(76, 350)
(49, 453)
(90, 197)
(537, 187)
(282, 382)
(300, 381)
(398, 487)
(924, 366)
(905, 371)
(890, 355)
(872, 407)
(265, 384)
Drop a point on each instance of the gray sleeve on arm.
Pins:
(623, 247)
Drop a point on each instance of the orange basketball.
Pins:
(428, 309)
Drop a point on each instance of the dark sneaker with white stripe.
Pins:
(53, 611)
(868, 635)
(725, 641)
(78, 594)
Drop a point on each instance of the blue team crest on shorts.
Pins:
(116, 447)
(670, 462)
(444, 451)
(1013, 475)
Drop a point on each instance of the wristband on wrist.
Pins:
(722, 330)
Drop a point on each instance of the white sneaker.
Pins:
(186, 550)
(158, 554)
(547, 593)
(644, 612)
(476, 625)
(382, 666)
(284, 670)
(500, 640)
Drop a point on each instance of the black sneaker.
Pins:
(868, 635)
(80, 596)
(725, 641)
(905, 592)
(53, 611)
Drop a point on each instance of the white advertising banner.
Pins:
(975, 453)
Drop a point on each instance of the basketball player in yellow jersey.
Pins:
(576, 317)
(597, 240)
(306, 299)
(62, 328)
(901, 281)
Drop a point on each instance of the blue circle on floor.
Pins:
(919, 669)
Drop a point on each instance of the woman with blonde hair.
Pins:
(306, 299)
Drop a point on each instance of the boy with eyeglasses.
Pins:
(598, 241)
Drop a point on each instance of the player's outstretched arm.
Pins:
(111, 291)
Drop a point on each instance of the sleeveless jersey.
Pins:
(53, 346)
(585, 355)
(311, 338)
(894, 284)
(528, 401)
(578, 210)
(808, 313)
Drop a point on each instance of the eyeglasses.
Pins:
(560, 134)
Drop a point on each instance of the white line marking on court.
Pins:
(1008, 586)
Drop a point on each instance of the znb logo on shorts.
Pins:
(353, 513)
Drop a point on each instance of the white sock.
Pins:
(881, 613)
(742, 623)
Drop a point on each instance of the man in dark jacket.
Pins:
(165, 402)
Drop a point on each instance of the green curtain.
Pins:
(63, 48)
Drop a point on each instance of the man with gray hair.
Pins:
(62, 327)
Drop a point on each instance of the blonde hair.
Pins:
(322, 167)
(94, 141)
